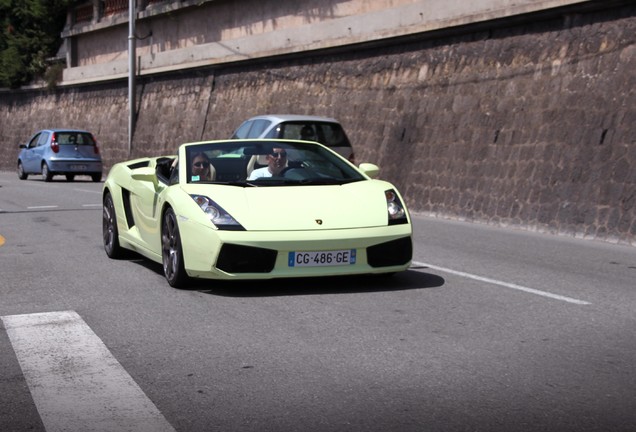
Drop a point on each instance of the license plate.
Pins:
(322, 258)
(78, 167)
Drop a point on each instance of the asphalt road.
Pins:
(490, 330)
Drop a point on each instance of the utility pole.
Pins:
(132, 56)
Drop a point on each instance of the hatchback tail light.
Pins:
(95, 148)
(54, 145)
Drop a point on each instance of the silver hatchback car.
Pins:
(325, 130)
(68, 152)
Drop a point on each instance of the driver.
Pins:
(276, 162)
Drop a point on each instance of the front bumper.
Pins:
(265, 255)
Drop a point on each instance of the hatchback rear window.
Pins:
(74, 138)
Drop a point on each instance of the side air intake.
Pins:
(245, 259)
(395, 252)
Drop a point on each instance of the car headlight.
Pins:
(218, 216)
(395, 209)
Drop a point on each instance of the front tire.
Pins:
(171, 251)
(109, 229)
(46, 173)
(22, 175)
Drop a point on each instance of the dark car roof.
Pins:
(277, 118)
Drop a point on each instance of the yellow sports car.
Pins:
(256, 209)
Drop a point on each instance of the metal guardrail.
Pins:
(86, 12)
(112, 7)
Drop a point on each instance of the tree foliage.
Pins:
(30, 34)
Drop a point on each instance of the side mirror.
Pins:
(370, 169)
(145, 174)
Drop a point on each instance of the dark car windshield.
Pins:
(327, 133)
(238, 163)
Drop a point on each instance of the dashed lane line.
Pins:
(50, 207)
(76, 383)
(89, 191)
(503, 284)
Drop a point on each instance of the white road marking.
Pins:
(89, 191)
(76, 383)
(42, 207)
(91, 205)
(503, 284)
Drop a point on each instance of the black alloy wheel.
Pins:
(109, 229)
(171, 251)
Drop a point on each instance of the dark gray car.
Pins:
(67, 152)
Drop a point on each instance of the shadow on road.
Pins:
(411, 279)
(80, 178)
(408, 280)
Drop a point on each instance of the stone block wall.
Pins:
(529, 124)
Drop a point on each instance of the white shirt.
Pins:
(260, 173)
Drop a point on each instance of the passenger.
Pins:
(201, 169)
(307, 133)
(276, 162)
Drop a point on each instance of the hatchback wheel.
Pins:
(46, 173)
(22, 175)
(109, 229)
(171, 251)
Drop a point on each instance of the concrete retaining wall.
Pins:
(175, 35)
(531, 125)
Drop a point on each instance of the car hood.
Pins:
(354, 205)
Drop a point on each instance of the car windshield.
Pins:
(329, 134)
(266, 163)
